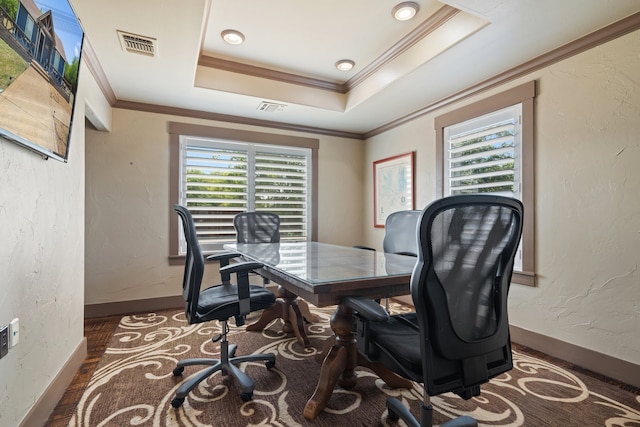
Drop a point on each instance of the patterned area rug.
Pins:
(133, 385)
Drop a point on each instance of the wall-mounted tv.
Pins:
(40, 47)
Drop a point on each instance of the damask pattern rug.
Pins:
(133, 385)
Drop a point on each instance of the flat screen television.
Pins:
(40, 48)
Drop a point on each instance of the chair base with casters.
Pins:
(227, 365)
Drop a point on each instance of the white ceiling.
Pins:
(297, 43)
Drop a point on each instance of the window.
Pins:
(483, 156)
(220, 179)
(217, 173)
(487, 147)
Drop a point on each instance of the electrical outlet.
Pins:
(14, 332)
(4, 340)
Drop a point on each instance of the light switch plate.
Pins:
(14, 332)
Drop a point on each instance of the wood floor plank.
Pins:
(98, 331)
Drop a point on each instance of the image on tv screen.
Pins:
(40, 47)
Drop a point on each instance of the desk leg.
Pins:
(306, 312)
(342, 357)
(285, 308)
(338, 366)
(390, 378)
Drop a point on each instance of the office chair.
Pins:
(399, 236)
(400, 233)
(458, 336)
(257, 227)
(218, 303)
(264, 227)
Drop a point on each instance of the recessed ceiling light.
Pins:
(232, 36)
(345, 64)
(405, 11)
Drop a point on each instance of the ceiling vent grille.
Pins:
(134, 43)
(271, 107)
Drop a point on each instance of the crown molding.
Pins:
(603, 35)
(267, 73)
(199, 114)
(435, 21)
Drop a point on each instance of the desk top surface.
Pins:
(312, 268)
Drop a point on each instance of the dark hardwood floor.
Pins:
(98, 332)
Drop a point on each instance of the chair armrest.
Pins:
(241, 266)
(242, 270)
(223, 256)
(365, 311)
(366, 308)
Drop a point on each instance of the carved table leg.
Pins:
(339, 364)
(306, 312)
(285, 308)
(342, 357)
(390, 378)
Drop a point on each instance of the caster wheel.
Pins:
(246, 397)
(269, 364)
(178, 371)
(177, 402)
(392, 416)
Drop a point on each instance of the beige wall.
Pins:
(128, 208)
(42, 263)
(587, 137)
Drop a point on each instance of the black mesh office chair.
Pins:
(399, 236)
(264, 227)
(218, 303)
(400, 233)
(257, 227)
(458, 337)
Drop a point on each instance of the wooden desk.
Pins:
(323, 274)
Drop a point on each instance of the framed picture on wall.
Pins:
(392, 186)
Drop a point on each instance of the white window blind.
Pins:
(484, 155)
(220, 179)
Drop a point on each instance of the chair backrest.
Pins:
(257, 227)
(466, 250)
(194, 265)
(400, 233)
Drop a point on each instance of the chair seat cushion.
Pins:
(399, 337)
(221, 302)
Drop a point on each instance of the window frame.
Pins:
(525, 95)
(176, 130)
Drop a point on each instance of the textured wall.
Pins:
(128, 209)
(41, 264)
(587, 136)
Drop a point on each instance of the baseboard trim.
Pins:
(611, 367)
(46, 403)
(132, 306)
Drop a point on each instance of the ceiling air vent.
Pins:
(271, 107)
(134, 43)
